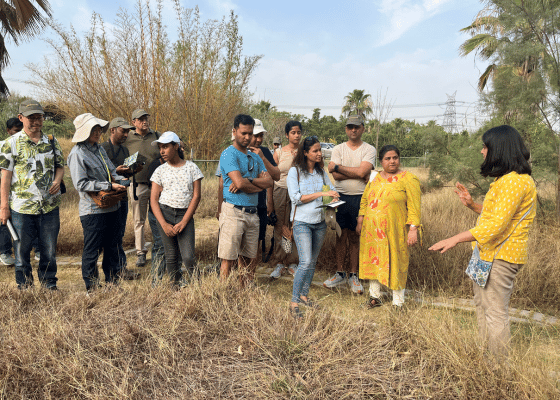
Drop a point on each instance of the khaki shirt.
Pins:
(143, 145)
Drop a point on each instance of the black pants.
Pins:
(100, 234)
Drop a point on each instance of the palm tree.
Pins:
(357, 102)
(20, 20)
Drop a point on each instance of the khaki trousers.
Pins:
(282, 208)
(139, 212)
(492, 307)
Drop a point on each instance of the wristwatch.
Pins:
(336, 168)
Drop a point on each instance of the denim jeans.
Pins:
(100, 234)
(179, 247)
(45, 228)
(309, 240)
(122, 213)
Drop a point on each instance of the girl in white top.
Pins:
(174, 200)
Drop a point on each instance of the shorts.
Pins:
(239, 233)
(347, 214)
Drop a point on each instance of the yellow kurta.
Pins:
(388, 207)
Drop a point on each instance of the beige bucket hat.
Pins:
(84, 124)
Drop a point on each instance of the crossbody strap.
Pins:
(508, 236)
(295, 208)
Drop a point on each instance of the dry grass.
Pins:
(212, 340)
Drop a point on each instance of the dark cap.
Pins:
(355, 120)
(139, 113)
(120, 122)
(29, 107)
(276, 140)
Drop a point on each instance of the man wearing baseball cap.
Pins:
(350, 166)
(32, 170)
(119, 130)
(139, 140)
(276, 143)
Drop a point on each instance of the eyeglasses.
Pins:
(34, 117)
(352, 127)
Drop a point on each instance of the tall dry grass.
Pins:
(212, 340)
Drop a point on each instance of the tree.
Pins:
(193, 86)
(20, 20)
(357, 102)
(522, 38)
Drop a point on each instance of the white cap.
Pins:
(167, 137)
(258, 128)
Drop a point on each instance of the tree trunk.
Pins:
(377, 146)
(558, 189)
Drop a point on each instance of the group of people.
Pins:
(376, 214)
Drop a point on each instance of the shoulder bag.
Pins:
(288, 230)
(479, 270)
(107, 198)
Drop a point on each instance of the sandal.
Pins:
(296, 313)
(373, 302)
(309, 303)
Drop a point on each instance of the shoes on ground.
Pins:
(296, 313)
(335, 281)
(309, 303)
(37, 256)
(277, 273)
(355, 285)
(7, 259)
(141, 260)
(292, 268)
(373, 302)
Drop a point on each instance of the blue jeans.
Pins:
(45, 228)
(100, 233)
(309, 240)
(122, 213)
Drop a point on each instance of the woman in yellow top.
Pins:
(388, 223)
(502, 230)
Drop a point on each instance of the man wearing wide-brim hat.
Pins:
(139, 140)
(92, 172)
(32, 171)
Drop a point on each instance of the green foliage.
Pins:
(9, 107)
(65, 129)
(357, 102)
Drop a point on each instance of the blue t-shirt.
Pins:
(249, 165)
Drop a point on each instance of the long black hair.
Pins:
(506, 152)
(300, 160)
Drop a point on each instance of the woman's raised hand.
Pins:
(464, 195)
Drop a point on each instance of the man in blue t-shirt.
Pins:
(244, 176)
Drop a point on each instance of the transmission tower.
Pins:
(450, 116)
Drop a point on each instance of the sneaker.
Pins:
(7, 259)
(141, 260)
(334, 281)
(277, 273)
(292, 268)
(37, 256)
(355, 285)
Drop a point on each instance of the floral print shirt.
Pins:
(33, 168)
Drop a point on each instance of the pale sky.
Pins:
(314, 53)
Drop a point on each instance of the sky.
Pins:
(314, 53)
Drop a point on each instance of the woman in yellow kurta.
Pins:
(388, 223)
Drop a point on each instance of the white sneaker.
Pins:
(355, 285)
(334, 281)
(277, 273)
(37, 256)
(7, 259)
(292, 268)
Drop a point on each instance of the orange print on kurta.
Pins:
(388, 205)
